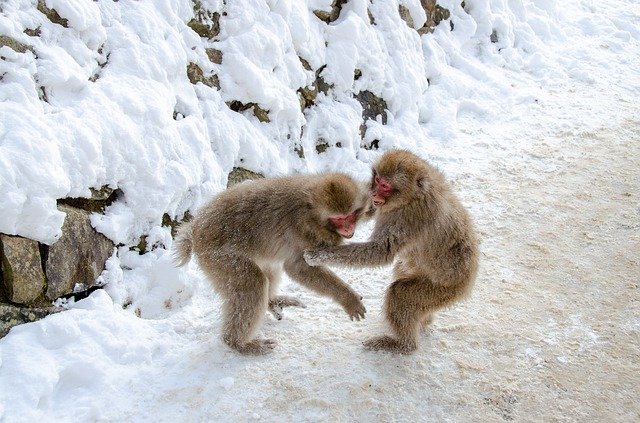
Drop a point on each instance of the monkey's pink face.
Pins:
(345, 225)
(381, 189)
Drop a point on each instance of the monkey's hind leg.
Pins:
(245, 292)
(278, 302)
(404, 315)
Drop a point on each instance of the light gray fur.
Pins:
(246, 236)
(424, 228)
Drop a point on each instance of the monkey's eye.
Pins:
(338, 221)
(383, 184)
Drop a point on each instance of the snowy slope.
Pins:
(120, 130)
(519, 126)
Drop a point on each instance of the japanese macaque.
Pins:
(244, 237)
(423, 226)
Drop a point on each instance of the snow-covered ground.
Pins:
(539, 133)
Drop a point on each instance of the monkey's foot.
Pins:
(278, 303)
(387, 343)
(255, 347)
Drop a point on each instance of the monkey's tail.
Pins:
(183, 244)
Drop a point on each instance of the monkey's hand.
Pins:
(313, 257)
(353, 306)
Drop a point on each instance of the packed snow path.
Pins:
(550, 333)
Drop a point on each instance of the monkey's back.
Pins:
(448, 247)
(256, 218)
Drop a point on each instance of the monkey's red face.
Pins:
(345, 225)
(380, 190)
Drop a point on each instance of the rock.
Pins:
(239, 174)
(308, 95)
(259, 112)
(33, 32)
(99, 200)
(22, 274)
(101, 194)
(195, 75)
(15, 45)
(305, 64)
(11, 316)
(440, 14)
(328, 17)
(321, 146)
(214, 55)
(52, 14)
(167, 221)
(435, 15)
(405, 15)
(372, 107)
(76, 260)
(320, 84)
(205, 23)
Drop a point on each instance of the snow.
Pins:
(538, 132)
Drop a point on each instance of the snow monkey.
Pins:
(245, 236)
(422, 224)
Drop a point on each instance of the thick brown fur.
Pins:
(425, 228)
(246, 236)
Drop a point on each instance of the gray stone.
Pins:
(239, 174)
(435, 15)
(196, 74)
(328, 17)
(15, 45)
(22, 273)
(11, 316)
(372, 107)
(214, 55)
(99, 200)
(101, 194)
(406, 16)
(78, 257)
(205, 23)
(259, 112)
(52, 14)
(307, 96)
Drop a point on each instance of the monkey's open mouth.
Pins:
(378, 203)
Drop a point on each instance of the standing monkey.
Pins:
(244, 237)
(422, 223)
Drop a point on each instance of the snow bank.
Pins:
(107, 100)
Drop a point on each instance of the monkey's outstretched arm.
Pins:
(378, 251)
(325, 282)
(364, 254)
